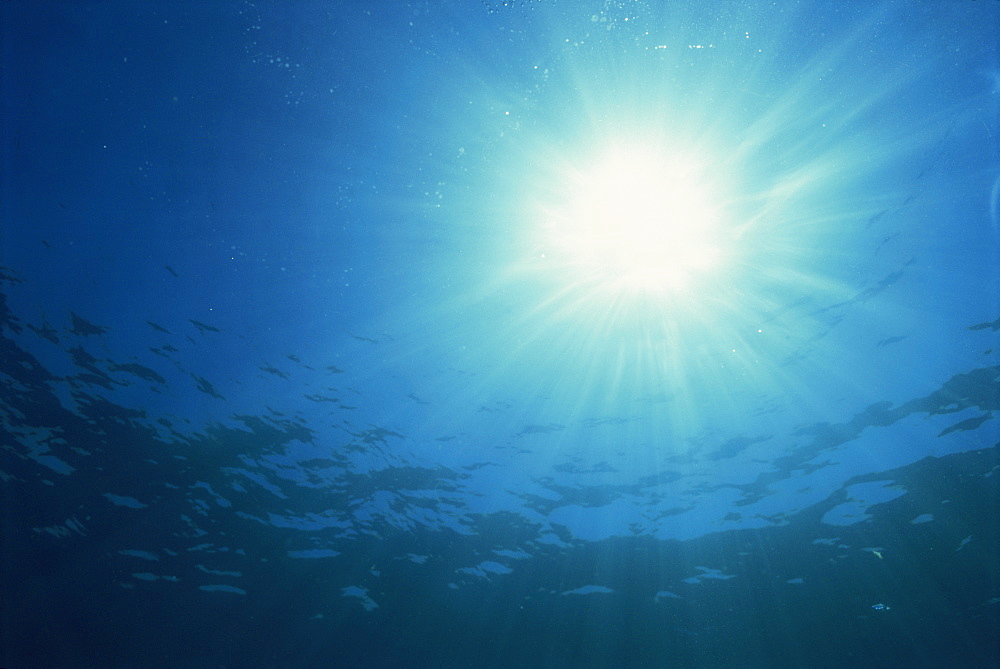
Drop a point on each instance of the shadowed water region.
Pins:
(321, 344)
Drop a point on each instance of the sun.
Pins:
(634, 221)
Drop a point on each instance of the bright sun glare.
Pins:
(635, 221)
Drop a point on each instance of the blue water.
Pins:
(500, 334)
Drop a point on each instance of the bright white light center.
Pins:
(636, 222)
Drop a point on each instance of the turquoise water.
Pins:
(555, 334)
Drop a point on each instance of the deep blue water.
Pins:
(500, 334)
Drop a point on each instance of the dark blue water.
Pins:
(500, 334)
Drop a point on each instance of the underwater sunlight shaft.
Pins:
(648, 219)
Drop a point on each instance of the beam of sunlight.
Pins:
(668, 217)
